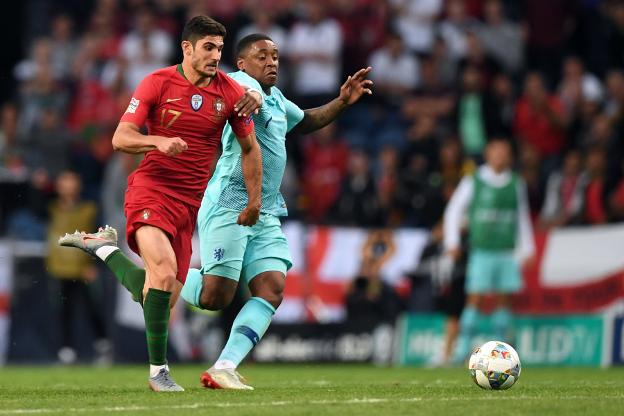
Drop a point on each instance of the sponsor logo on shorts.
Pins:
(146, 214)
(132, 107)
(196, 101)
(218, 254)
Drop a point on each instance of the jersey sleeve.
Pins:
(241, 126)
(145, 97)
(294, 114)
(244, 79)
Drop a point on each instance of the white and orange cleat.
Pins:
(228, 379)
(90, 242)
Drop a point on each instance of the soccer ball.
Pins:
(494, 366)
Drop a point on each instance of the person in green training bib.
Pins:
(258, 255)
(500, 238)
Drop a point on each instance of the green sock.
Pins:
(156, 313)
(129, 274)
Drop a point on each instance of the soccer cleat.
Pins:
(163, 382)
(90, 242)
(228, 379)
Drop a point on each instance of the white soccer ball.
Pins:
(494, 366)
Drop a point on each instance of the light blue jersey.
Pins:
(277, 117)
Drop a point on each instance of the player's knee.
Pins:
(162, 275)
(274, 298)
(270, 289)
(215, 298)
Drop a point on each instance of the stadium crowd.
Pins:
(449, 75)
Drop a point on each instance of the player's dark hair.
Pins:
(248, 40)
(200, 27)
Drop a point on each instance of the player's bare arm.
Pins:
(129, 139)
(248, 103)
(252, 174)
(354, 87)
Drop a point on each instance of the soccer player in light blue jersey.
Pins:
(258, 254)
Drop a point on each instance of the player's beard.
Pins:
(200, 69)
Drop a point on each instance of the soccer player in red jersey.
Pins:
(185, 108)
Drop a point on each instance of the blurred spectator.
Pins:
(415, 20)
(395, 71)
(565, 192)
(73, 268)
(103, 31)
(445, 65)
(40, 93)
(40, 60)
(63, 44)
(94, 101)
(595, 206)
(369, 299)
(263, 21)
(453, 164)
(447, 279)
(422, 138)
(501, 38)
(145, 49)
(454, 28)
(12, 150)
(432, 98)
(48, 144)
(503, 105)
(616, 199)
(540, 121)
(419, 195)
(614, 103)
(578, 86)
(473, 113)
(357, 205)
(386, 172)
(477, 56)
(364, 25)
(325, 156)
(530, 171)
(314, 50)
(549, 25)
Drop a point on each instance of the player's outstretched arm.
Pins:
(128, 139)
(354, 87)
(252, 174)
(248, 103)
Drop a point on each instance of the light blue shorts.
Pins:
(231, 250)
(492, 272)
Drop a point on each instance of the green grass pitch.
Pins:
(310, 390)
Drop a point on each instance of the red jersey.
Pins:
(169, 105)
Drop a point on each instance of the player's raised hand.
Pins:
(249, 103)
(249, 216)
(171, 146)
(355, 86)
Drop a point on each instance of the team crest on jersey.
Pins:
(146, 214)
(218, 254)
(218, 105)
(196, 102)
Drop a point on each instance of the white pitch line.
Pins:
(365, 400)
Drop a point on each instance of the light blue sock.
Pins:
(501, 321)
(468, 326)
(192, 287)
(248, 328)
